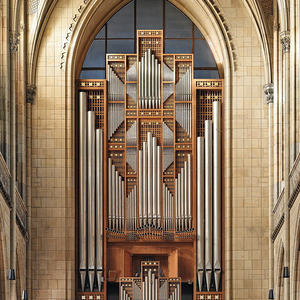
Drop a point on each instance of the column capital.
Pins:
(269, 93)
(285, 41)
(30, 93)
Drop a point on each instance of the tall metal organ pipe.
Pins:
(83, 186)
(99, 206)
(91, 196)
(217, 190)
(200, 210)
(149, 85)
(208, 201)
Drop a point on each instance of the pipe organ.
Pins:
(150, 178)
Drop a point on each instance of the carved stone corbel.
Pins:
(269, 93)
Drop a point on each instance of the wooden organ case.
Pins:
(150, 178)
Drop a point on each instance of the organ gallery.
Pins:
(150, 178)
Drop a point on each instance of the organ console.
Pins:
(150, 178)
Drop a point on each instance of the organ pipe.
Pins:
(149, 86)
(200, 210)
(208, 201)
(91, 196)
(217, 190)
(99, 206)
(83, 186)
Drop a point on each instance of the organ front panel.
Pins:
(150, 178)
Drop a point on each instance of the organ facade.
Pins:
(150, 178)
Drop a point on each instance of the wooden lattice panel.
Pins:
(209, 296)
(181, 157)
(131, 60)
(204, 102)
(152, 39)
(169, 61)
(153, 126)
(96, 104)
(118, 160)
(89, 84)
(90, 296)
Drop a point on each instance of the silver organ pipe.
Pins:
(140, 188)
(217, 190)
(91, 197)
(183, 87)
(149, 74)
(150, 179)
(154, 179)
(99, 206)
(208, 201)
(200, 210)
(115, 86)
(83, 176)
(145, 185)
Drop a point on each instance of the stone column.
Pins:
(285, 43)
(269, 94)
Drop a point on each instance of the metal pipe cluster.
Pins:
(183, 89)
(115, 86)
(175, 294)
(183, 113)
(149, 183)
(91, 197)
(168, 208)
(149, 81)
(115, 198)
(131, 210)
(209, 233)
(115, 117)
(183, 190)
(150, 286)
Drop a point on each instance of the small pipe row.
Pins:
(183, 89)
(168, 208)
(115, 86)
(115, 116)
(115, 198)
(183, 112)
(149, 81)
(131, 210)
(149, 182)
(183, 187)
